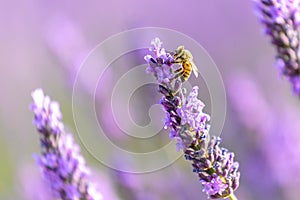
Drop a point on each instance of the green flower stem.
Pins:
(232, 197)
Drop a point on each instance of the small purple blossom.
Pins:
(189, 126)
(191, 111)
(214, 186)
(159, 65)
(46, 113)
(281, 20)
(61, 162)
(156, 45)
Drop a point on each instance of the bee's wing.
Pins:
(188, 54)
(195, 69)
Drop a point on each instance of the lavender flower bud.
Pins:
(188, 125)
(61, 162)
(281, 19)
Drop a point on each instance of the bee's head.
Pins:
(179, 51)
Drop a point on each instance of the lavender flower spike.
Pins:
(60, 159)
(189, 126)
(281, 20)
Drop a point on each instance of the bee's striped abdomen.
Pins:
(187, 70)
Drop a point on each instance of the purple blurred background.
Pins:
(43, 44)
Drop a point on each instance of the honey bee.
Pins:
(185, 59)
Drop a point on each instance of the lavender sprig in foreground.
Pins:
(61, 162)
(281, 19)
(214, 165)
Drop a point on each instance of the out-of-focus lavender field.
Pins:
(43, 44)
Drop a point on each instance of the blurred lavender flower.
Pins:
(67, 43)
(275, 129)
(281, 19)
(69, 46)
(61, 162)
(214, 165)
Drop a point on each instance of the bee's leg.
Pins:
(182, 79)
(175, 62)
(178, 72)
(176, 76)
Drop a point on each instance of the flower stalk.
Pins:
(232, 197)
(188, 124)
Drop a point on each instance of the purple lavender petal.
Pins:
(215, 186)
(191, 112)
